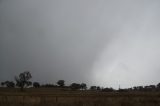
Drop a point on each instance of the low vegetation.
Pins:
(23, 81)
(23, 92)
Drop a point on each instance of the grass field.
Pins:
(55, 97)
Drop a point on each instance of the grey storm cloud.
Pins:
(101, 42)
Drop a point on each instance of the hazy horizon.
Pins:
(99, 42)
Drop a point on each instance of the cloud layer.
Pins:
(108, 43)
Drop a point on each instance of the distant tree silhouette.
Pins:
(140, 88)
(23, 80)
(152, 86)
(135, 88)
(48, 85)
(36, 85)
(119, 90)
(2, 84)
(158, 85)
(61, 83)
(9, 84)
(75, 86)
(98, 88)
(83, 86)
(93, 88)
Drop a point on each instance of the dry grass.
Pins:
(51, 97)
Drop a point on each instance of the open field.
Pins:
(51, 97)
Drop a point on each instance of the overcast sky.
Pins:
(99, 42)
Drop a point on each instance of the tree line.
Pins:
(23, 81)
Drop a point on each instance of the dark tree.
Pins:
(93, 88)
(75, 86)
(61, 83)
(9, 84)
(135, 88)
(36, 85)
(49, 86)
(83, 86)
(2, 84)
(158, 85)
(98, 88)
(23, 80)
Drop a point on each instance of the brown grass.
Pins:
(51, 97)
